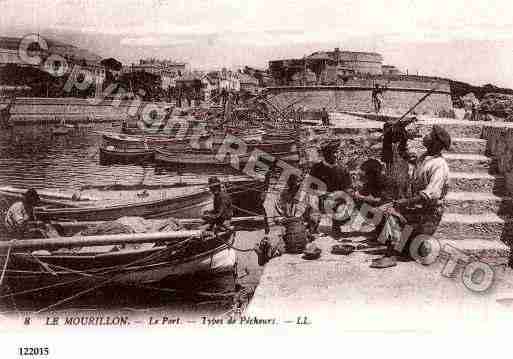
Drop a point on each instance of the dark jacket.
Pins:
(223, 208)
(336, 178)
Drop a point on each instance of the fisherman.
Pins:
(124, 126)
(5, 114)
(325, 118)
(474, 116)
(375, 189)
(293, 203)
(21, 213)
(336, 178)
(220, 217)
(374, 184)
(168, 112)
(398, 160)
(290, 203)
(377, 97)
(423, 210)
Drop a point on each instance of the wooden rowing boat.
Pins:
(159, 257)
(111, 155)
(210, 158)
(245, 195)
(146, 144)
(185, 206)
(60, 131)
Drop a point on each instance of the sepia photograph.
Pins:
(222, 166)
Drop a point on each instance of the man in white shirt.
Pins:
(423, 211)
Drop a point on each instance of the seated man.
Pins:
(289, 203)
(220, 217)
(292, 203)
(374, 184)
(375, 190)
(335, 177)
(20, 215)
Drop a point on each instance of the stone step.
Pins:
(486, 226)
(468, 162)
(477, 182)
(468, 145)
(458, 145)
(456, 128)
(491, 252)
(478, 202)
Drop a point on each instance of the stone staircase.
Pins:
(478, 216)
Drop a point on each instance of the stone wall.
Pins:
(356, 96)
(43, 110)
(500, 146)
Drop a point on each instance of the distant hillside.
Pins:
(54, 47)
(459, 89)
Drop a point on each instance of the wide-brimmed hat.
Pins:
(311, 251)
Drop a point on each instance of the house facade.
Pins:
(167, 70)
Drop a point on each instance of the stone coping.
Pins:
(353, 88)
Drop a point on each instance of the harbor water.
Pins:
(34, 156)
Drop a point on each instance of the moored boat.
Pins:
(51, 268)
(186, 206)
(132, 142)
(123, 146)
(211, 158)
(110, 155)
(245, 195)
(60, 131)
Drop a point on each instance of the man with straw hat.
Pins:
(423, 210)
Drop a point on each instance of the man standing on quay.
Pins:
(423, 211)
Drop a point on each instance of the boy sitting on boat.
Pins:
(220, 217)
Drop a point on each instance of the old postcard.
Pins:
(184, 168)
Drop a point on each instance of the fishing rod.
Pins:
(418, 103)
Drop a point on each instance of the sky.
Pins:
(465, 40)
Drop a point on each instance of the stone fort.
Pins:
(343, 81)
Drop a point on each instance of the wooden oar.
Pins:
(186, 222)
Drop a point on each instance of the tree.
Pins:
(141, 81)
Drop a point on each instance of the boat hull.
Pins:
(188, 206)
(66, 274)
(212, 159)
(108, 156)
